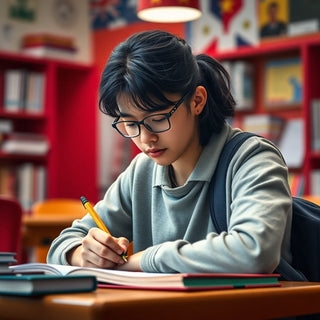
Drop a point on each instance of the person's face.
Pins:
(273, 13)
(178, 143)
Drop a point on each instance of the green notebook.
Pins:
(40, 284)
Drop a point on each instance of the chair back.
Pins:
(10, 226)
(314, 199)
(59, 206)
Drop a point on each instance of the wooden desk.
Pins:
(41, 229)
(38, 231)
(293, 298)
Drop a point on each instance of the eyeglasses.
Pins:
(155, 123)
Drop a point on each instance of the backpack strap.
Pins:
(217, 197)
(217, 186)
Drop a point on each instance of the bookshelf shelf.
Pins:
(21, 116)
(307, 49)
(67, 119)
(21, 157)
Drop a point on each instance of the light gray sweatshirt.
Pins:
(173, 225)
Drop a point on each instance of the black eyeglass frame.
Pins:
(167, 115)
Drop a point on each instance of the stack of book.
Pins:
(6, 259)
(34, 282)
(157, 281)
(25, 143)
(41, 278)
(49, 45)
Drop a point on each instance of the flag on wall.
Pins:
(112, 13)
(224, 25)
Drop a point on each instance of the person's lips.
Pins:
(154, 153)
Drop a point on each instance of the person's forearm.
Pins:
(72, 256)
(133, 263)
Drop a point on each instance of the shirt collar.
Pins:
(205, 166)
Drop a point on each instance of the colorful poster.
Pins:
(273, 18)
(283, 82)
(224, 25)
(112, 13)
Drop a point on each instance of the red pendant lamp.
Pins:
(167, 11)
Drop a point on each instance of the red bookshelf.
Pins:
(68, 120)
(307, 48)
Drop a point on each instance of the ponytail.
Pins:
(220, 102)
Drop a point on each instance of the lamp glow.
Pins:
(168, 11)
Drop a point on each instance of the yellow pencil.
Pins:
(97, 219)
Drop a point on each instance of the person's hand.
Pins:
(133, 263)
(98, 250)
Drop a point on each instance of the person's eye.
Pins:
(158, 118)
(129, 124)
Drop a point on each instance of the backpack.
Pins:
(305, 230)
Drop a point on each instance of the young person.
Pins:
(174, 106)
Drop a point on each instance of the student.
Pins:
(174, 106)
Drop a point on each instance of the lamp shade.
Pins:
(168, 10)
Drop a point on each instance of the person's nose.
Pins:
(146, 135)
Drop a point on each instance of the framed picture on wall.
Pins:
(22, 10)
(283, 83)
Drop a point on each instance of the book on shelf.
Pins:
(35, 88)
(6, 126)
(24, 91)
(296, 184)
(315, 128)
(41, 284)
(264, 125)
(291, 143)
(315, 182)
(8, 180)
(49, 45)
(242, 83)
(25, 181)
(25, 143)
(14, 90)
(283, 82)
(31, 182)
(157, 281)
(242, 77)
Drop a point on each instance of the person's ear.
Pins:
(198, 100)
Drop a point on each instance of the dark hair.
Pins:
(149, 64)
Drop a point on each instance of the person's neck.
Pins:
(181, 169)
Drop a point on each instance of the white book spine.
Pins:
(35, 92)
(25, 185)
(315, 122)
(14, 85)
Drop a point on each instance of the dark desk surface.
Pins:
(293, 298)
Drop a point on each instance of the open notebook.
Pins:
(156, 281)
